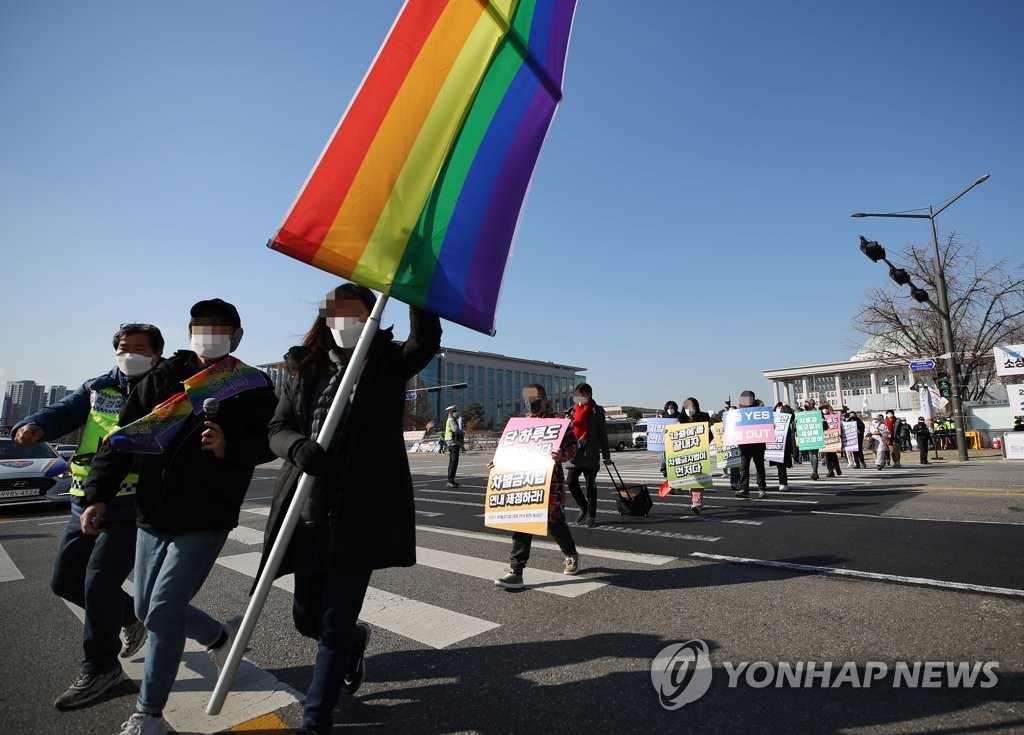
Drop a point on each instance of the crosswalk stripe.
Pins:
(428, 624)
(653, 559)
(256, 692)
(563, 585)
(258, 510)
(8, 569)
(246, 535)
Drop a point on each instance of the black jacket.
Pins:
(186, 488)
(371, 522)
(596, 446)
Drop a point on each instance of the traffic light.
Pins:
(945, 390)
(919, 294)
(899, 275)
(872, 249)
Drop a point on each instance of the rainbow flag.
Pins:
(223, 379)
(420, 189)
(155, 431)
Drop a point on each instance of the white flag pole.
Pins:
(291, 518)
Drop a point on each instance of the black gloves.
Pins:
(309, 457)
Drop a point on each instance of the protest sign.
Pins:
(725, 456)
(810, 434)
(749, 426)
(656, 433)
(850, 442)
(516, 498)
(688, 456)
(775, 450)
(833, 433)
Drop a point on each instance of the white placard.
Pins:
(1009, 359)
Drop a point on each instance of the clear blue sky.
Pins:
(689, 218)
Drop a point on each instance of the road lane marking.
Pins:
(646, 531)
(652, 559)
(258, 510)
(8, 569)
(914, 518)
(857, 574)
(428, 624)
(555, 583)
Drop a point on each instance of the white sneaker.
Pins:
(142, 724)
(783, 488)
(220, 654)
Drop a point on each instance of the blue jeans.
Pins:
(89, 571)
(327, 605)
(169, 570)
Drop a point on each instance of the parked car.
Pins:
(640, 434)
(33, 474)
(66, 451)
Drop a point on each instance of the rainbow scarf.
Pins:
(420, 188)
(154, 432)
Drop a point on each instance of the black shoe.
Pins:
(831, 474)
(452, 484)
(742, 493)
(357, 665)
(589, 522)
(581, 517)
(814, 475)
(839, 473)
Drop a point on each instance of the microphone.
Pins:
(210, 408)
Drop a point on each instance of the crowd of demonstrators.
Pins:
(536, 400)
(89, 570)
(591, 432)
(188, 499)
(360, 515)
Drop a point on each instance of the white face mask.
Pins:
(690, 412)
(210, 345)
(346, 330)
(580, 400)
(132, 364)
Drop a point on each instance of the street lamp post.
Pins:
(952, 366)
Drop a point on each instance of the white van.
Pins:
(640, 434)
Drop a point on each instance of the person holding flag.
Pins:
(193, 474)
(359, 516)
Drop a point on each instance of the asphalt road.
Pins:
(873, 568)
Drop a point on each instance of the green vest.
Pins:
(105, 407)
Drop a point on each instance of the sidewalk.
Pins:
(950, 455)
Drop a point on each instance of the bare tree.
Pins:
(986, 304)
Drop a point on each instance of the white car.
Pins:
(33, 474)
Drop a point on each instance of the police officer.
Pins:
(89, 570)
(453, 437)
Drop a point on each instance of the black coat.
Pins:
(186, 488)
(371, 522)
(588, 455)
